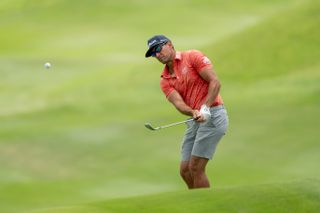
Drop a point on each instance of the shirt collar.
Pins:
(178, 56)
(165, 73)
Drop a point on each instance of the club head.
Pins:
(148, 126)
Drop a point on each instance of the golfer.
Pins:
(191, 85)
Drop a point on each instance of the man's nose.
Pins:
(157, 54)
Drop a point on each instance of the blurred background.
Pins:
(74, 134)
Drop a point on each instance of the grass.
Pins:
(295, 196)
(72, 138)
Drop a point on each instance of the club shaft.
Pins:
(177, 123)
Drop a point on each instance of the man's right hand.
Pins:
(197, 116)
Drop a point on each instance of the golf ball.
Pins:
(47, 65)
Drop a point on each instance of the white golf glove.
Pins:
(205, 112)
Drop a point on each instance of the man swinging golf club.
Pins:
(190, 84)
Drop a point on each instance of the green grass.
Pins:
(289, 197)
(72, 138)
(295, 196)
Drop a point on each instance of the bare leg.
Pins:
(197, 166)
(186, 174)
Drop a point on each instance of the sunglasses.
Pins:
(157, 49)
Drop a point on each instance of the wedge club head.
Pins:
(148, 126)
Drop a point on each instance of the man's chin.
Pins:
(163, 61)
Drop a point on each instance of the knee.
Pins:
(195, 169)
(184, 170)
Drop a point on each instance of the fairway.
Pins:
(72, 137)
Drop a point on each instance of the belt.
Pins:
(221, 106)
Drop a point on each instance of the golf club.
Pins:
(149, 126)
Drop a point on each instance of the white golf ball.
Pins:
(47, 65)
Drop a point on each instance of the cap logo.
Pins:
(152, 42)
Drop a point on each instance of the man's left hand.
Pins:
(205, 112)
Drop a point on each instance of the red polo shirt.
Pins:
(187, 81)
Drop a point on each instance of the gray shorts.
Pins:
(201, 139)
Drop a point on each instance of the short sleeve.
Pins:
(165, 87)
(199, 61)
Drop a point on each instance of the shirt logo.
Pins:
(184, 70)
(206, 60)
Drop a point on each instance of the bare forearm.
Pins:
(213, 91)
(183, 108)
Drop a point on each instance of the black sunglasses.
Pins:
(157, 49)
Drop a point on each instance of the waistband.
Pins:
(217, 107)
